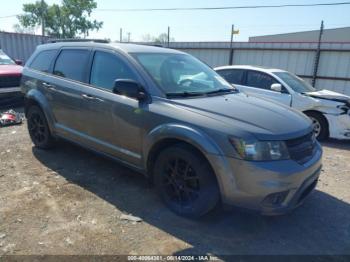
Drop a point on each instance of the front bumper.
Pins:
(270, 188)
(339, 126)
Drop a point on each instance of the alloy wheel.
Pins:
(37, 128)
(180, 182)
(316, 125)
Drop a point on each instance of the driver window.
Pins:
(260, 80)
(107, 68)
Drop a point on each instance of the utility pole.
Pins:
(129, 37)
(42, 19)
(318, 55)
(231, 45)
(168, 36)
(121, 35)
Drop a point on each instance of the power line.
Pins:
(221, 7)
(8, 16)
(210, 8)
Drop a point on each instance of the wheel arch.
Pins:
(321, 115)
(170, 134)
(35, 97)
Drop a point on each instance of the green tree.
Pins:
(68, 20)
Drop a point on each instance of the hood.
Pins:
(241, 113)
(10, 70)
(329, 95)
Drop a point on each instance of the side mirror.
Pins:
(18, 62)
(276, 87)
(129, 88)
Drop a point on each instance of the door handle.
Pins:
(49, 86)
(90, 97)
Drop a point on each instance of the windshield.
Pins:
(181, 74)
(296, 83)
(5, 60)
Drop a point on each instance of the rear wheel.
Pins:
(320, 125)
(185, 181)
(38, 128)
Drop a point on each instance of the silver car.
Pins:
(169, 116)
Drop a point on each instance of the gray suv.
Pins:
(169, 116)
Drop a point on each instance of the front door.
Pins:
(112, 123)
(259, 84)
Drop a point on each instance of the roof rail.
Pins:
(150, 44)
(78, 40)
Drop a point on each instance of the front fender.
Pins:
(37, 97)
(198, 139)
(202, 142)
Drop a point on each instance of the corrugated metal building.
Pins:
(329, 35)
(299, 58)
(20, 46)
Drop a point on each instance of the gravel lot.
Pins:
(69, 201)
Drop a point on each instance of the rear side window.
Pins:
(72, 64)
(260, 80)
(107, 68)
(43, 60)
(233, 76)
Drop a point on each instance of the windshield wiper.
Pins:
(222, 90)
(184, 94)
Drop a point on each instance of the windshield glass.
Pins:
(5, 60)
(296, 83)
(182, 74)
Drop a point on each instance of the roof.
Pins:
(258, 68)
(125, 47)
(329, 35)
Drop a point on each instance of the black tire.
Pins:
(38, 128)
(320, 125)
(185, 181)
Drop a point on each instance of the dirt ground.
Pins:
(69, 201)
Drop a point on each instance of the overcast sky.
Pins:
(213, 25)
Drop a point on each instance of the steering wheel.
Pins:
(183, 81)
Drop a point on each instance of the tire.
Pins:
(320, 125)
(38, 128)
(185, 181)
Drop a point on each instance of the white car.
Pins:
(329, 111)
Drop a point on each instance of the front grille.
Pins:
(9, 81)
(301, 149)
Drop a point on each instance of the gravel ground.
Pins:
(69, 201)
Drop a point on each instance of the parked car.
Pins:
(10, 75)
(328, 110)
(169, 116)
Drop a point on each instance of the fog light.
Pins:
(275, 199)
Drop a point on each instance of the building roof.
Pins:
(329, 35)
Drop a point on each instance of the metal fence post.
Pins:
(231, 46)
(317, 57)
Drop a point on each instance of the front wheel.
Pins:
(320, 125)
(185, 181)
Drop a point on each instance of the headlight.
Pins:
(344, 108)
(260, 150)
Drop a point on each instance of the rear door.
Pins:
(70, 73)
(112, 123)
(233, 76)
(259, 84)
